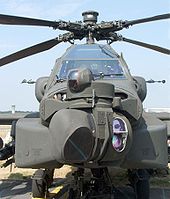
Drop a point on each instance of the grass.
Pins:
(160, 182)
(18, 176)
(119, 178)
(159, 179)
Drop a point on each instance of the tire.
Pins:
(142, 188)
(49, 173)
(39, 187)
(71, 194)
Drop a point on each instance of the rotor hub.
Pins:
(90, 17)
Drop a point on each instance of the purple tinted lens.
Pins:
(117, 126)
(116, 142)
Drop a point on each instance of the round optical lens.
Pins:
(120, 134)
(117, 142)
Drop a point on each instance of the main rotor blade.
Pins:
(153, 47)
(144, 20)
(15, 20)
(30, 51)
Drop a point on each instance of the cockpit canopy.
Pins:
(97, 67)
(100, 59)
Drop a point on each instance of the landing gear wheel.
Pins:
(139, 180)
(41, 181)
(143, 185)
(71, 194)
(39, 187)
(99, 185)
(143, 189)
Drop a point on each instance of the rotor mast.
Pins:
(90, 20)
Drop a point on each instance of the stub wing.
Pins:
(163, 115)
(7, 117)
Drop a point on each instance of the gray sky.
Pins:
(141, 61)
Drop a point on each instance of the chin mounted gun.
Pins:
(8, 150)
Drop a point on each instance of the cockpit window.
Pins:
(109, 68)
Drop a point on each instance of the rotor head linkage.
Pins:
(78, 30)
(90, 18)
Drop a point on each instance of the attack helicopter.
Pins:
(90, 114)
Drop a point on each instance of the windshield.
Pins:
(110, 68)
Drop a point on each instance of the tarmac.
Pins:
(21, 189)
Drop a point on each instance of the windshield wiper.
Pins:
(59, 79)
(102, 75)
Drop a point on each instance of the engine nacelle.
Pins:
(40, 87)
(141, 88)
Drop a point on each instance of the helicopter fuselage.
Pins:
(91, 115)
